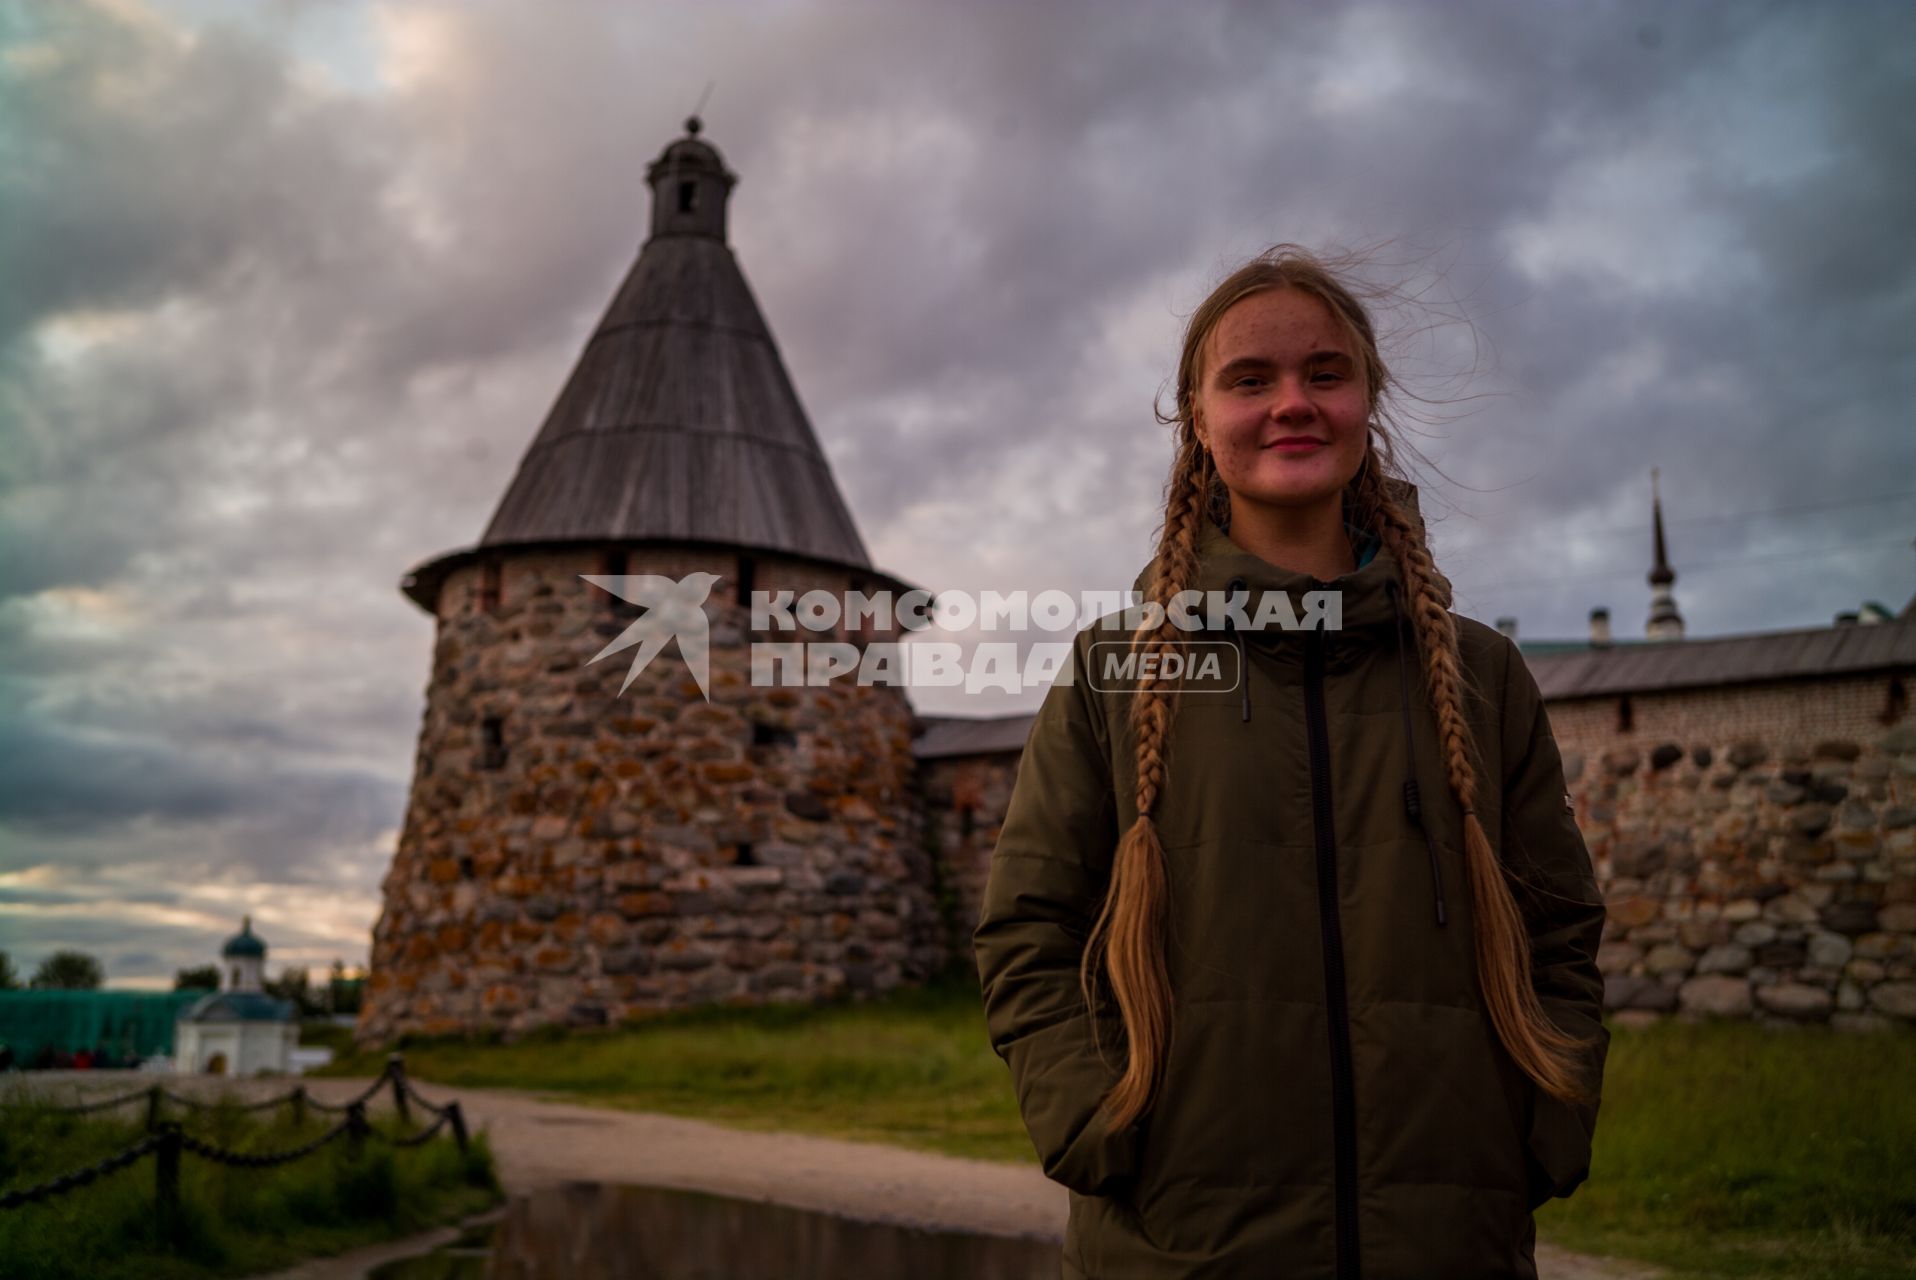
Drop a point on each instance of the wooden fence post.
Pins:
(396, 1069)
(166, 1184)
(458, 1119)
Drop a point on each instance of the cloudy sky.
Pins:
(291, 285)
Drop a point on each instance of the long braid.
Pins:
(1501, 941)
(1130, 930)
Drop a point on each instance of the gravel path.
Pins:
(541, 1143)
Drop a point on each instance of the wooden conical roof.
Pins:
(679, 421)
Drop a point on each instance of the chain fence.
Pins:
(166, 1141)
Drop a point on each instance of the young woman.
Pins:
(1297, 977)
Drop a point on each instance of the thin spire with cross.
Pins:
(1666, 622)
(1661, 574)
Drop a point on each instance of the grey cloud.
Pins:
(58, 784)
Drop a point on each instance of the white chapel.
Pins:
(238, 1030)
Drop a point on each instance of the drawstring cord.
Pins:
(1413, 803)
(1243, 666)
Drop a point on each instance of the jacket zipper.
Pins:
(1343, 1091)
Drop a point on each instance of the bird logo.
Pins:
(673, 610)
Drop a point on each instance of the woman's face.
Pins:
(1281, 402)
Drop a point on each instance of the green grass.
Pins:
(1724, 1149)
(318, 1033)
(1728, 1149)
(232, 1221)
(913, 1069)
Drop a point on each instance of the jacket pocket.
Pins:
(1557, 1145)
(1111, 1238)
(1539, 1188)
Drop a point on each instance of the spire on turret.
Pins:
(1661, 574)
(1665, 622)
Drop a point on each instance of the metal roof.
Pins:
(1728, 660)
(1564, 673)
(245, 942)
(239, 1006)
(971, 735)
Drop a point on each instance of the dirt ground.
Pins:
(540, 1143)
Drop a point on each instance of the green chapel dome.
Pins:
(244, 943)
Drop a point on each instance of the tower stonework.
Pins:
(574, 854)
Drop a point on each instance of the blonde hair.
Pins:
(1128, 938)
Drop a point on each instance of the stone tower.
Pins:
(576, 855)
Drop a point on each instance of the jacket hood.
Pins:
(1224, 566)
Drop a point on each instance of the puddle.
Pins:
(606, 1231)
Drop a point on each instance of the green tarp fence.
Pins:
(136, 1023)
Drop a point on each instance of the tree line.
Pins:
(70, 970)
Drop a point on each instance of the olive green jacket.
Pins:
(1337, 1102)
